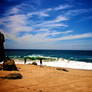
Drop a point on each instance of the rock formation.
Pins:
(2, 52)
(1, 67)
(34, 63)
(12, 76)
(9, 65)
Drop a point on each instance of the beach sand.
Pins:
(47, 79)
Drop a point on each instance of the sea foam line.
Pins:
(70, 64)
(61, 63)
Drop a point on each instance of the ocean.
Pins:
(76, 55)
(78, 59)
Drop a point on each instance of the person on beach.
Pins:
(40, 61)
(25, 60)
(2, 52)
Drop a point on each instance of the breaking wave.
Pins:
(56, 62)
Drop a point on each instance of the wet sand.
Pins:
(47, 79)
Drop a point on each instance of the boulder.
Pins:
(34, 63)
(9, 65)
(62, 69)
(13, 76)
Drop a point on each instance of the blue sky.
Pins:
(47, 24)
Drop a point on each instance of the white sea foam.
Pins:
(61, 63)
(70, 64)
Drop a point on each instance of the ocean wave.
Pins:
(34, 57)
(61, 62)
(58, 58)
(58, 62)
(70, 64)
(51, 58)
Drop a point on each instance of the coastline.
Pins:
(47, 79)
(60, 63)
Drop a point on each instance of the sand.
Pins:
(47, 79)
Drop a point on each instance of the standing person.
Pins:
(2, 52)
(40, 61)
(25, 60)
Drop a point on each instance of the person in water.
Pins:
(40, 61)
(2, 52)
(25, 60)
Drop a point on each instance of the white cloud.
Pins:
(39, 37)
(45, 12)
(18, 19)
(16, 28)
(48, 10)
(38, 13)
(43, 30)
(57, 33)
(14, 10)
(86, 35)
(16, 23)
(10, 36)
(31, 41)
(54, 33)
(60, 18)
(54, 23)
(61, 7)
(44, 37)
(65, 32)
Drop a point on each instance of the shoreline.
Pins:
(61, 63)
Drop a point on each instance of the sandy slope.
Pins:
(47, 79)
